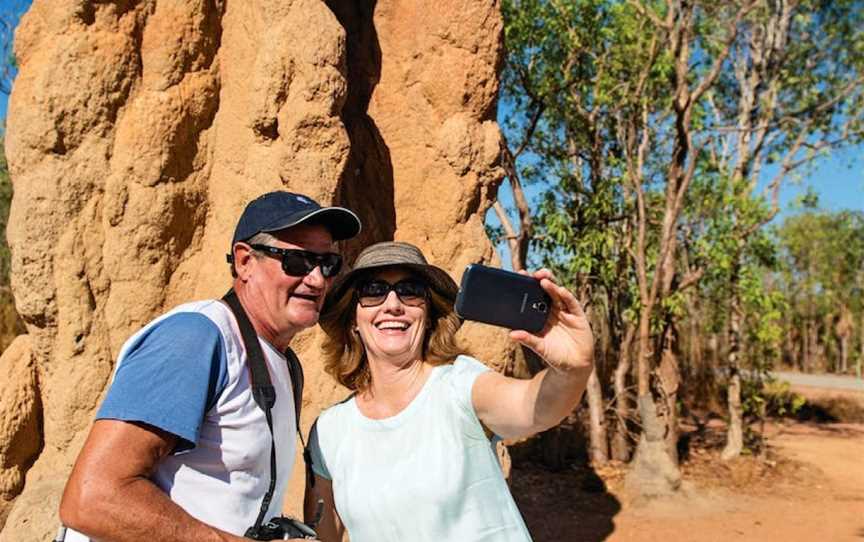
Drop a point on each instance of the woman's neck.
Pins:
(393, 386)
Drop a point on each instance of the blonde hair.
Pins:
(344, 353)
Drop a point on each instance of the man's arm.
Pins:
(330, 528)
(110, 497)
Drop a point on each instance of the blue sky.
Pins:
(12, 9)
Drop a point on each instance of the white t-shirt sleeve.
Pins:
(462, 377)
(319, 465)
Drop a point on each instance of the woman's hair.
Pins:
(344, 353)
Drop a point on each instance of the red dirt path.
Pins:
(810, 488)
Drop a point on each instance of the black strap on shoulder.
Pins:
(296, 372)
(264, 393)
(295, 369)
(262, 389)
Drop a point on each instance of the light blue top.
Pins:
(427, 473)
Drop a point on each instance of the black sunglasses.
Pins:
(299, 263)
(411, 292)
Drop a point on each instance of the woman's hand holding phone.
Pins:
(566, 341)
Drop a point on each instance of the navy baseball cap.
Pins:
(276, 211)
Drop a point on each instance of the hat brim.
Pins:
(437, 279)
(342, 223)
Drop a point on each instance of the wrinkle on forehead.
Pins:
(308, 237)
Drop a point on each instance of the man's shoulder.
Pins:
(191, 325)
(204, 317)
(213, 309)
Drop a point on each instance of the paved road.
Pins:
(821, 381)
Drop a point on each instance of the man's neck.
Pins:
(280, 341)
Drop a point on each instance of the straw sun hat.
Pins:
(394, 254)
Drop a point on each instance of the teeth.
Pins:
(393, 325)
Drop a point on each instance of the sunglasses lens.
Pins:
(373, 293)
(296, 264)
(330, 264)
(411, 293)
(299, 263)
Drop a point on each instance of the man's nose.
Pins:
(315, 278)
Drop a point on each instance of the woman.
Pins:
(406, 456)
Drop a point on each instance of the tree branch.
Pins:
(653, 17)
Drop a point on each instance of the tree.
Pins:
(822, 276)
(792, 94)
(559, 118)
(624, 107)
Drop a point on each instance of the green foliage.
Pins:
(822, 273)
(566, 59)
(573, 101)
(781, 400)
(10, 323)
(763, 398)
(5, 201)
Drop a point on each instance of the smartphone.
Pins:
(502, 298)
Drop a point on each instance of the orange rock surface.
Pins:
(137, 132)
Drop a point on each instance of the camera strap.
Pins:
(264, 393)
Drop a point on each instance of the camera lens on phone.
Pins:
(540, 306)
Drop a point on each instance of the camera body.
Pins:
(282, 528)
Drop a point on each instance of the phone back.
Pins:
(502, 298)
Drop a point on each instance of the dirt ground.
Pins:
(807, 486)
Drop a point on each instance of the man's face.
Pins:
(284, 304)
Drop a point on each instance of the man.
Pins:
(179, 449)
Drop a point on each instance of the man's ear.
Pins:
(242, 260)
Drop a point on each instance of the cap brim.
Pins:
(341, 222)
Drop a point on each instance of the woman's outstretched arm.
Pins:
(515, 408)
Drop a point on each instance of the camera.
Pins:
(281, 528)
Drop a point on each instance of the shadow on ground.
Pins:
(561, 501)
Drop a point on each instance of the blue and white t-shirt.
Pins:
(186, 373)
(429, 473)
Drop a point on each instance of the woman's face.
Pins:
(393, 330)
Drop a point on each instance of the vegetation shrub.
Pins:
(10, 323)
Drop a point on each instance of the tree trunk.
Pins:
(844, 354)
(696, 345)
(858, 365)
(817, 349)
(844, 330)
(714, 345)
(670, 378)
(791, 345)
(735, 432)
(620, 446)
(597, 431)
(652, 472)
